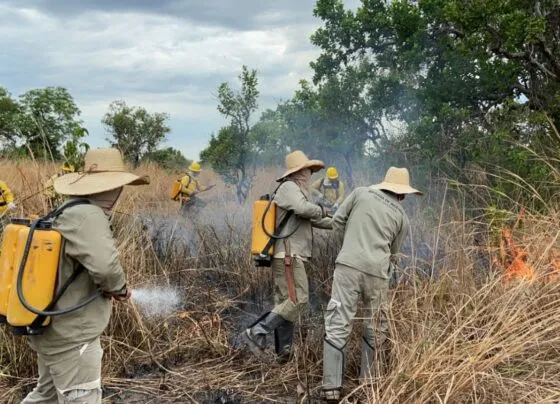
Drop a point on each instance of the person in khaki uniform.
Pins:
(291, 290)
(69, 352)
(330, 190)
(373, 226)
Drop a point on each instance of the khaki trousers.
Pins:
(283, 306)
(69, 378)
(349, 286)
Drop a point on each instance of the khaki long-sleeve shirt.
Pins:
(88, 241)
(373, 226)
(306, 216)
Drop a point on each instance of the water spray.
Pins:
(156, 301)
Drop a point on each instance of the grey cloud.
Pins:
(234, 14)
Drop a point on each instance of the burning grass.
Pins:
(463, 335)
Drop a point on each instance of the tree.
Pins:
(460, 74)
(135, 131)
(168, 159)
(75, 149)
(39, 122)
(230, 152)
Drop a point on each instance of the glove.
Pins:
(335, 206)
(120, 295)
(324, 212)
(12, 206)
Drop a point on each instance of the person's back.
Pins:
(374, 226)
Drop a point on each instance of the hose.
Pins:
(274, 236)
(19, 284)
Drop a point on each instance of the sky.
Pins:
(165, 55)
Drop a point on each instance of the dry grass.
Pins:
(461, 336)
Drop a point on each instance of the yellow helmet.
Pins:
(68, 168)
(194, 167)
(332, 173)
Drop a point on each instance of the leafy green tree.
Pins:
(135, 131)
(168, 159)
(39, 122)
(230, 153)
(75, 149)
(461, 74)
(9, 115)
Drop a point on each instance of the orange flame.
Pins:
(514, 259)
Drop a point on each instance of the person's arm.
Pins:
(7, 194)
(91, 243)
(324, 223)
(316, 188)
(199, 187)
(341, 193)
(186, 185)
(342, 214)
(399, 240)
(289, 197)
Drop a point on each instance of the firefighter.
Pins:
(290, 255)
(372, 226)
(53, 198)
(329, 191)
(69, 352)
(190, 187)
(6, 204)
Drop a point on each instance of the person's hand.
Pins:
(12, 206)
(335, 206)
(120, 296)
(324, 212)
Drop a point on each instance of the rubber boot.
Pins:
(283, 342)
(333, 372)
(255, 336)
(373, 363)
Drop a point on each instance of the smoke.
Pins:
(156, 302)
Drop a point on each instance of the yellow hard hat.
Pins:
(194, 167)
(332, 173)
(69, 168)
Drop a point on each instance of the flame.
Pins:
(514, 259)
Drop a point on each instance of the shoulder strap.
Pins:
(39, 320)
(58, 211)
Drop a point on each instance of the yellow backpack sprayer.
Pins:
(29, 263)
(175, 190)
(265, 232)
(7, 258)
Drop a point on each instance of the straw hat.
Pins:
(297, 161)
(104, 171)
(397, 180)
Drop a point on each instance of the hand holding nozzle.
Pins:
(121, 295)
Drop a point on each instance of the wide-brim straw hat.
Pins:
(397, 180)
(297, 161)
(104, 170)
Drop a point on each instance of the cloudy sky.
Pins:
(166, 55)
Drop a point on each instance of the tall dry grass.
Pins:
(458, 332)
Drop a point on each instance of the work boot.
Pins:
(331, 396)
(333, 371)
(373, 363)
(283, 342)
(255, 335)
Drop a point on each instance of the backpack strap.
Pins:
(40, 319)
